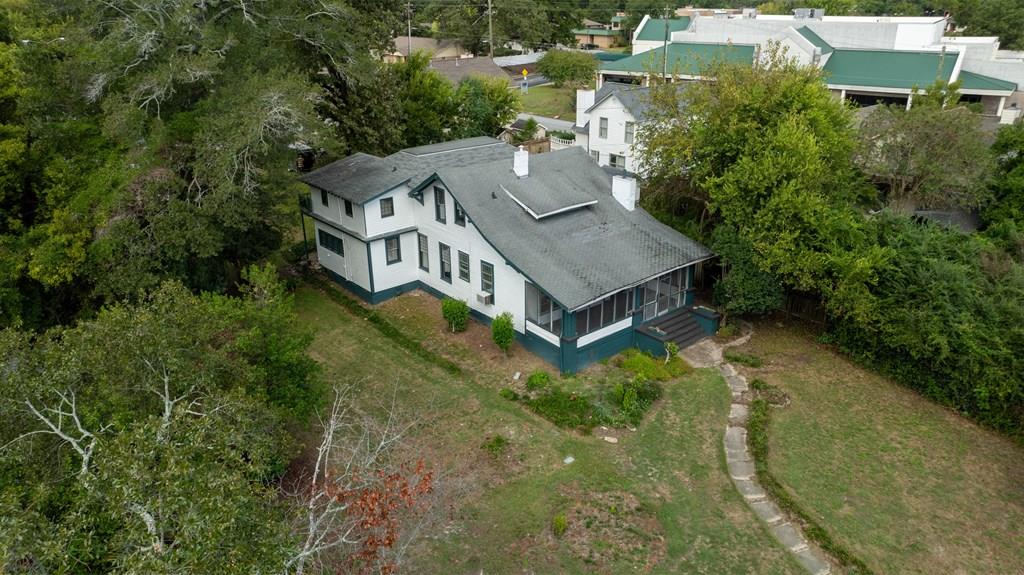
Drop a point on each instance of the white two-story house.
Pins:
(607, 121)
(552, 239)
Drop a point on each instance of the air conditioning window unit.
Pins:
(485, 298)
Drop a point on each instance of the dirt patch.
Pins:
(612, 529)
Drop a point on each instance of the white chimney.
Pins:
(625, 191)
(584, 100)
(521, 162)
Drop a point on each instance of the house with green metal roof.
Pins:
(866, 59)
(683, 61)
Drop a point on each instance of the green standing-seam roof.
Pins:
(888, 68)
(654, 29)
(974, 81)
(596, 32)
(683, 58)
(813, 38)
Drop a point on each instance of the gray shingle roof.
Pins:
(633, 97)
(578, 256)
(357, 178)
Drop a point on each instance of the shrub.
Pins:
(727, 330)
(496, 445)
(559, 524)
(640, 363)
(508, 394)
(743, 358)
(456, 313)
(538, 380)
(502, 331)
(564, 409)
(671, 350)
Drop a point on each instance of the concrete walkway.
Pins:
(742, 470)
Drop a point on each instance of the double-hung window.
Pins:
(387, 207)
(602, 130)
(446, 262)
(439, 209)
(393, 249)
(460, 215)
(348, 208)
(332, 243)
(464, 266)
(630, 128)
(424, 250)
(323, 198)
(486, 277)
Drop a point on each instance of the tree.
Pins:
(428, 101)
(744, 287)
(771, 149)
(534, 24)
(565, 67)
(486, 106)
(928, 156)
(160, 425)
(1008, 184)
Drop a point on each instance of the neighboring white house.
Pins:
(866, 59)
(607, 121)
(552, 239)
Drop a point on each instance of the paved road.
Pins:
(549, 123)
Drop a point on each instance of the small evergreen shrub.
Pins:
(508, 394)
(743, 358)
(496, 445)
(727, 330)
(456, 313)
(559, 524)
(502, 331)
(538, 380)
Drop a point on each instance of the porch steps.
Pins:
(680, 327)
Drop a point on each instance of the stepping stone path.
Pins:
(740, 464)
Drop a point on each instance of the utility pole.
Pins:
(664, 54)
(408, 19)
(490, 29)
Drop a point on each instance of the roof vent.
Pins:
(521, 162)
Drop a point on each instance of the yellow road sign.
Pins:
(525, 72)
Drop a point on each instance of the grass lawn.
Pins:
(658, 501)
(550, 101)
(905, 485)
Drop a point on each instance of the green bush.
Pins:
(456, 313)
(502, 331)
(727, 330)
(671, 350)
(644, 364)
(743, 358)
(564, 409)
(538, 380)
(559, 524)
(496, 445)
(508, 394)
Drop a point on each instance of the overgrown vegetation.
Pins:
(742, 358)
(772, 159)
(618, 398)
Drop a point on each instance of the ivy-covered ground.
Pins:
(657, 501)
(903, 484)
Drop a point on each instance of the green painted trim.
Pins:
(605, 347)
(369, 265)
